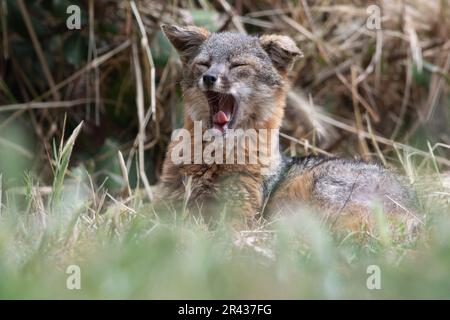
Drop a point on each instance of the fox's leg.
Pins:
(242, 196)
(298, 189)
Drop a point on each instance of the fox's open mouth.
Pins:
(222, 109)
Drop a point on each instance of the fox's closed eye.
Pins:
(239, 64)
(203, 64)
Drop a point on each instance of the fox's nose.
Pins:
(209, 79)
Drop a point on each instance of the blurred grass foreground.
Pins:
(76, 216)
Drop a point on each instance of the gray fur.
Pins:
(341, 182)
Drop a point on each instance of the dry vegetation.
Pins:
(107, 98)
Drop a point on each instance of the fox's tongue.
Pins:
(220, 117)
(220, 120)
(221, 108)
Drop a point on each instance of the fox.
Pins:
(234, 81)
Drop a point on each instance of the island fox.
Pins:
(237, 81)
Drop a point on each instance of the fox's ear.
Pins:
(282, 50)
(186, 40)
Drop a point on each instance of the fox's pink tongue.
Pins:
(220, 117)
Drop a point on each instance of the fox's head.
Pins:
(233, 80)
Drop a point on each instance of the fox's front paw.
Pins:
(242, 201)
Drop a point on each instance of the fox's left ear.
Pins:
(282, 50)
(187, 39)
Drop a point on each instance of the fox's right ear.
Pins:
(186, 40)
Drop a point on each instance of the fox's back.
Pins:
(340, 185)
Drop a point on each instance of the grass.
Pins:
(128, 249)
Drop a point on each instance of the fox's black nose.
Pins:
(209, 79)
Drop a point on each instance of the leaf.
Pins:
(206, 18)
(62, 163)
(75, 49)
(421, 78)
